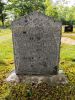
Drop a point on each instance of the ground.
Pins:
(42, 91)
(68, 40)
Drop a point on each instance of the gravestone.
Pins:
(36, 43)
(68, 28)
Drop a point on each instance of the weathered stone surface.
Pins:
(36, 41)
(52, 79)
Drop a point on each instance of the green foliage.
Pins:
(18, 8)
(22, 7)
(2, 13)
(65, 13)
(50, 10)
(59, 11)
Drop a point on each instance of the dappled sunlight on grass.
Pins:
(70, 36)
(6, 60)
(6, 51)
(67, 62)
(67, 52)
(5, 32)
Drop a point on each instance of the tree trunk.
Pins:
(2, 20)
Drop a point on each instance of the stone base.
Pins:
(58, 79)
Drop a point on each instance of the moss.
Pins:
(42, 91)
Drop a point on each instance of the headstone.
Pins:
(36, 42)
(68, 28)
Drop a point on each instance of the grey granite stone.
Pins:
(36, 44)
(51, 79)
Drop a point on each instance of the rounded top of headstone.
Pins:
(24, 20)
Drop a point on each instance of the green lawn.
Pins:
(70, 36)
(6, 59)
(67, 61)
(42, 91)
(5, 31)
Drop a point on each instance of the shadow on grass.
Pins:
(2, 62)
(73, 60)
(41, 91)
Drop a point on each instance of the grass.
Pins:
(6, 59)
(6, 52)
(69, 34)
(67, 61)
(5, 32)
(67, 52)
(32, 92)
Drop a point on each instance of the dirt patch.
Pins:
(72, 34)
(67, 40)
